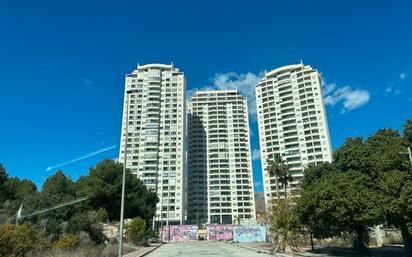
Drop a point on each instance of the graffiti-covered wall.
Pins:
(180, 233)
(220, 232)
(244, 234)
(237, 233)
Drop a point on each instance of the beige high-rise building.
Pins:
(154, 116)
(220, 182)
(292, 122)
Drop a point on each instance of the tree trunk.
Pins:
(284, 189)
(361, 240)
(311, 241)
(407, 240)
(277, 187)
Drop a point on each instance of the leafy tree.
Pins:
(380, 157)
(384, 152)
(314, 172)
(14, 192)
(352, 156)
(341, 202)
(396, 187)
(406, 193)
(103, 186)
(3, 174)
(57, 189)
(392, 174)
(25, 189)
(58, 184)
(406, 207)
(16, 189)
(407, 132)
(137, 232)
(307, 205)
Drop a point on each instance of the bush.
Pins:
(136, 231)
(85, 251)
(285, 227)
(68, 242)
(102, 215)
(110, 250)
(17, 240)
(43, 245)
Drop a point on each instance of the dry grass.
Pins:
(85, 251)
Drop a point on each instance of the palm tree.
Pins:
(281, 172)
(285, 179)
(285, 228)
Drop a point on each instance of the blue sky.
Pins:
(62, 66)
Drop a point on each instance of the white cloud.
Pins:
(328, 88)
(394, 88)
(329, 100)
(257, 183)
(244, 82)
(87, 81)
(255, 154)
(252, 133)
(402, 75)
(191, 92)
(350, 98)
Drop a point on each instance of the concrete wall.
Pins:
(220, 232)
(180, 233)
(245, 234)
(237, 233)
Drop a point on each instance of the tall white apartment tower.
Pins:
(220, 183)
(292, 122)
(154, 124)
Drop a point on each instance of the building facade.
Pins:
(154, 133)
(292, 123)
(220, 183)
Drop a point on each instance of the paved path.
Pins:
(203, 249)
(142, 251)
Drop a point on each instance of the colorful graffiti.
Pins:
(237, 233)
(179, 233)
(219, 232)
(246, 234)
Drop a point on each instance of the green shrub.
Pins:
(102, 215)
(136, 231)
(17, 240)
(67, 242)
